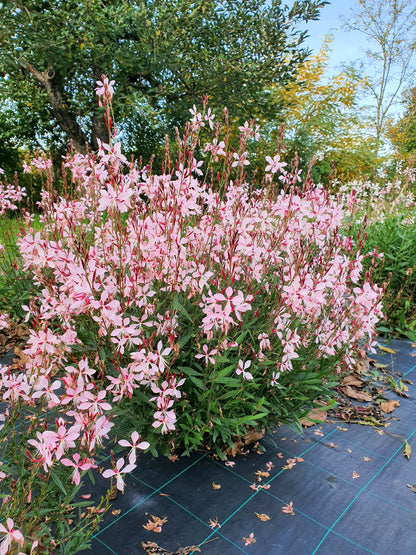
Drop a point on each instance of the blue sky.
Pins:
(346, 46)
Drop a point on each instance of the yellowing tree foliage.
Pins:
(322, 118)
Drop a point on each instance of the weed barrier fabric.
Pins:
(348, 485)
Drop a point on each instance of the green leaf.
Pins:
(58, 482)
(407, 450)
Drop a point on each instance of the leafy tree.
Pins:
(403, 133)
(390, 29)
(323, 121)
(164, 55)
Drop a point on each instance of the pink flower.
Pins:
(118, 471)
(105, 88)
(242, 366)
(274, 164)
(78, 465)
(208, 356)
(12, 535)
(135, 444)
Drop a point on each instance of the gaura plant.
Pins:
(186, 308)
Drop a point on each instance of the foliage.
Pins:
(163, 54)
(184, 305)
(322, 119)
(403, 132)
(389, 208)
(389, 27)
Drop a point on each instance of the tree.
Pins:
(164, 55)
(403, 133)
(322, 119)
(390, 28)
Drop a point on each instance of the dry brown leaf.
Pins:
(413, 488)
(352, 380)
(358, 395)
(116, 512)
(366, 459)
(253, 435)
(216, 486)
(355, 475)
(389, 406)
(262, 516)
(362, 365)
(314, 414)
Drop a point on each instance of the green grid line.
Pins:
(268, 482)
(358, 494)
(149, 496)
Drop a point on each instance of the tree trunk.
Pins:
(64, 117)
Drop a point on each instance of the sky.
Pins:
(346, 46)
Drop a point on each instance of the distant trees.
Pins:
(403, 133)
(323, 120)
(390, 28)
(163, 55)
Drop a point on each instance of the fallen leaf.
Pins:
(386, 349)
(413, 488)
(366, 459)
(216, 486)
(253, 435)
(352, 380)
(262, 516)
(389, 406)
(332, 445)
(116, 512)
(358, 395)
(363, 365)
(318, 433)
(279, 455)
(230, 463)
(355, 475)
(380, 366)
(407, 450)
(85, 496)
(342, 429)
(313, 415)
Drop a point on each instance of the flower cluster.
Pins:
(160, 292)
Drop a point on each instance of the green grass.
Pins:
(16, 285)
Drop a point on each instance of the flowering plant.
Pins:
(188, 306)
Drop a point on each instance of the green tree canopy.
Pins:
(164, 55)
